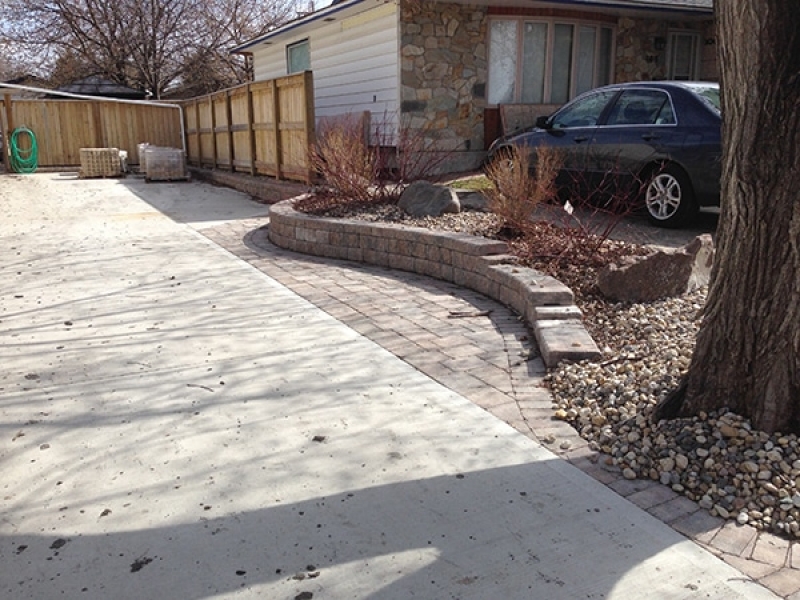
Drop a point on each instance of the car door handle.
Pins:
(650, 136)
(580, 139)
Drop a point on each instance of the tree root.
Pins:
(670, 407)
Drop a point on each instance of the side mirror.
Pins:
(543, 122)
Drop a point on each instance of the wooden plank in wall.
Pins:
(221, 124)
(264, 127)
(191, 133)
(241, 132)
(206, 132)
(296, 124)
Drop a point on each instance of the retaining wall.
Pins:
(477, 263)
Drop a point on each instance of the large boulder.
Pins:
(660, 274)
(425, 199)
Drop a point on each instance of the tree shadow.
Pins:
(531, 530)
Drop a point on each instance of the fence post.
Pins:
(251, 130)
(198, 133)
(214, 154)
(276, 117)
(310, 126)
(229, 125)
(9, 129)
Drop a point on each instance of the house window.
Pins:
(298, 57)
(683, 55)
(546, 62)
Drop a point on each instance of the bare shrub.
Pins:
(559, 225)
(411, 154)
(359, 165)
(518, 189)
(594, 209)
(344, 160)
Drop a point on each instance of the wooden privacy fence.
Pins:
(63, 127)
(265, 128)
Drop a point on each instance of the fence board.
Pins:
(63, 127)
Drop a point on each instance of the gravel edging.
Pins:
(477, 263)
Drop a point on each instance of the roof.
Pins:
(97, 86)
(329, 12)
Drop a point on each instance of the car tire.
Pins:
(668, 197)
(503, 158)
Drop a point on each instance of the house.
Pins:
(453, 72)
(103, 88)
(24, 81)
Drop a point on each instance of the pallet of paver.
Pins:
(140, 154)
(164, 164)
(100, 162)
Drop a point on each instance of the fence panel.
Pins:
(63, 127)
(265, 127)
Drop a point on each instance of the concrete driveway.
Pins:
(176, 424)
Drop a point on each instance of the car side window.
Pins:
(584, 112)
(642, 107)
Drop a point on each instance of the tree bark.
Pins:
(747, 349)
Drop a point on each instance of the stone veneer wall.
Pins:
(443, 73)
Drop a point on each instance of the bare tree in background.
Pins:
(172, 47)
(747, 356)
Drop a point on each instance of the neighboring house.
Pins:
(31, 81)
(104, 88)
(449, 71)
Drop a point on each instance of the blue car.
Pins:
(658, 141)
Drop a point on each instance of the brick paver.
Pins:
(784, 582)
(483, 351)
(734, 539)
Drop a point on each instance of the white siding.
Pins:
(354, 59)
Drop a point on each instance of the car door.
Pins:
(639, 129)
(569, 130)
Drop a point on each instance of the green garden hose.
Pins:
(23, 160)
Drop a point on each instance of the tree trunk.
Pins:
(746, 355)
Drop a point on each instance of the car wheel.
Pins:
(503, 159)
(668, 197)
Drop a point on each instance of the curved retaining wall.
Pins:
(477, 263)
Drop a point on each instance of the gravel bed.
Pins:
(717, 459)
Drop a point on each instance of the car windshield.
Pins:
(709, 94)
